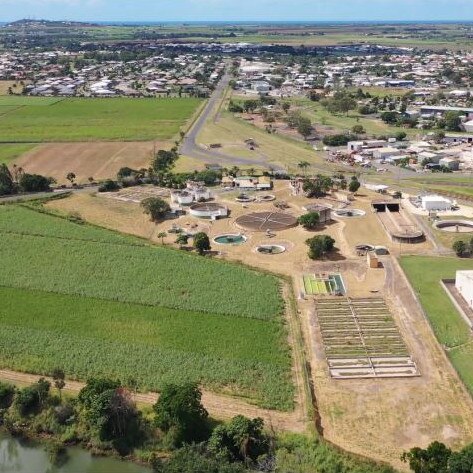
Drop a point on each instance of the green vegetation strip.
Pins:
(9, 153)
(97, 302)
(93, 119)
(425, 274)
(90, 337)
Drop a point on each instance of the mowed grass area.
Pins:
(96, 302)
(341, 123)
(34, 119)
(425, 274)
(9, 153)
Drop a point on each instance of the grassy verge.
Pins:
(424, 274)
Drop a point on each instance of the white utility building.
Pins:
(464, 285)
(435, 202)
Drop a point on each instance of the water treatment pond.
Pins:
(18, 456)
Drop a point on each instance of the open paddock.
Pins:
(97, 160)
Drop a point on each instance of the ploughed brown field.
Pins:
(97, 160)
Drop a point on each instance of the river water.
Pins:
(18, 456)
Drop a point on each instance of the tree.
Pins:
(71, 177)
(156, 208)
(7, 392)
(459, 247)
(242, 439)
(358, 129)
(34, 183)
(389, 117)
(201, 242)
(400, 136)
(109, 186)
(180, 409)
(354, 184)
(195, 459)
(164, 160)
(303, 165)
(250, 106)
(7, 185)
(304, 127)
(462, 461)
(317, 187)
(59, 377)
(182, 240)
(319, 246)
(95, 387)
(452, 121)
(32, 398)
(162, 235)
(433, 459)
(309, 220)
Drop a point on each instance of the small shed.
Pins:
(372, 260)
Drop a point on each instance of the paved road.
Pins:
(192, 149)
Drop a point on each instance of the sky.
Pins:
(234, 10)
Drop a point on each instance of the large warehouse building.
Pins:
(464, 285)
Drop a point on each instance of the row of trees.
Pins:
(320, 185)
(16, 180)
(105, 414)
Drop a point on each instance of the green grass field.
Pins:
(344, 123)
(9, 153)
(97, 302)
(425, 274)
(31, 119)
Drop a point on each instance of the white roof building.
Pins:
(435, 202)
(464, 285)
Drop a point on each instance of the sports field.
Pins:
(451, 330)
(96, 302)
(35, 119)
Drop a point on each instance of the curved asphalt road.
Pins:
(192, 149)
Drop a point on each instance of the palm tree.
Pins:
(303, 165)
(162, 235)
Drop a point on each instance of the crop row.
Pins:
(89, 337)
(139, 274)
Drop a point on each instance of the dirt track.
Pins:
(219, 407)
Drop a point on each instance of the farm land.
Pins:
(104, 289)
(31, 120)
(93, 138)
(8, 153)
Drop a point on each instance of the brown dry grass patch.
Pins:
(97, 160)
